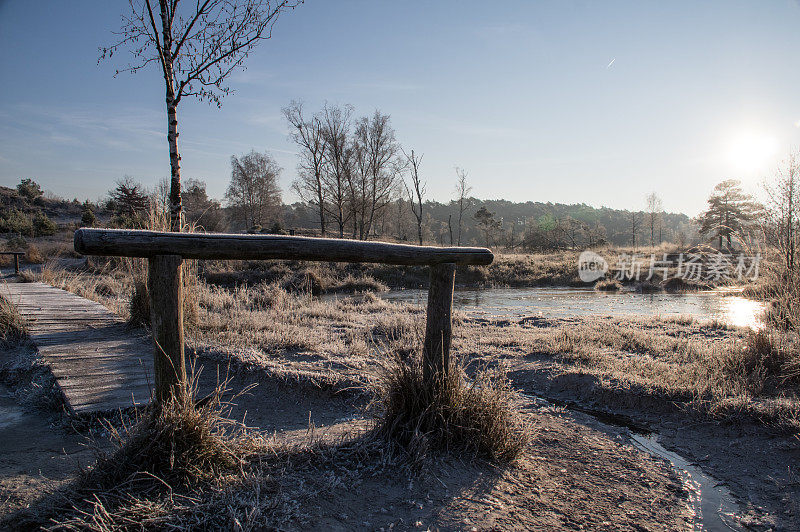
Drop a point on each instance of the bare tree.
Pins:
(253, 192)
(654, 209)
(309, 135)
(462, 193)
(417, 190)
(196, 45)
(338, 162)
(377, 150)
(783, 210)
(634, 228)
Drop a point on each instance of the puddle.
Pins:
(713, 504)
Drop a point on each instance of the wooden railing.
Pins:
(17, 255)
(165, 253)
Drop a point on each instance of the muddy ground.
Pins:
(755, 461)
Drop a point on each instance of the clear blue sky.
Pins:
(563, 101)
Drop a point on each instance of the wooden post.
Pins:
(438, 326)
(16, 264)
(165, 286)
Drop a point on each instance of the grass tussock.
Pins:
(12, 325)
(179, 466)
(478, 417)
(176, 442)
(608, 285)
(765, 363)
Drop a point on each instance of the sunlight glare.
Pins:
(749, 150)
(743, 312)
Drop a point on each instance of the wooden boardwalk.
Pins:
(99, 363)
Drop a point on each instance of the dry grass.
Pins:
(179, 466)
(457, 416)
(608, 285)
(657, 362)
(33, 255)
(175, 443)
(290, 334)
(12, 325)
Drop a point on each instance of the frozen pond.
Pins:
(722, 305)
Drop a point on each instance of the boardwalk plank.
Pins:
(99, 363)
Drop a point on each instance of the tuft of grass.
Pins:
(177, 467)
(766, 362)
(12, 326)
(176, 443)
(478, 417)
(353, 284)
(608, 285)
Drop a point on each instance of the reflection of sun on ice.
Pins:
(749, 150)
(742, 312)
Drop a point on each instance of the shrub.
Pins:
(88, 219)
(29, 189)
(16, 221)
(33, 255)
(42, 225)
(16, 243)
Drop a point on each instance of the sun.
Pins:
(750, 150)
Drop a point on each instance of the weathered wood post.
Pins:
(16, 263)
(438, 324)
(165, 285)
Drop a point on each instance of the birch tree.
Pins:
(336, 123)
(309, 135)
(654, 209)
(377, 151)
(196, 45)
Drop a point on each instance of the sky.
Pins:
(563, 101)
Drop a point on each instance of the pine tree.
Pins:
(729, 211)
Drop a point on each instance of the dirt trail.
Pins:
(36, 454)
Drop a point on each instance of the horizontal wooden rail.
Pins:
(128, 243)
(165, 253)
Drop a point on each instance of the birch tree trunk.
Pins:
(172, 120)
(175, 204)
